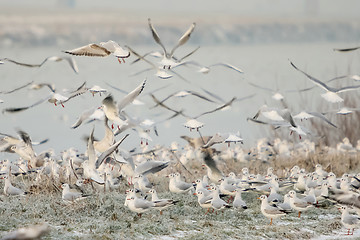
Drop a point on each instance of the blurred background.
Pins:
(257, 36)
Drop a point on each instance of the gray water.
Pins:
(266, 65)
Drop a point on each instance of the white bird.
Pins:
(90, 115)
(70, 60)
(103, 49)
(178, 186)
(29, 232)
(160, 72)
(71, 195)
(204, 200)
(270, 211)
(349, 221)
(298, 204)
(160, 204)
(139, 205)
(10, 190)
(238, 201)
(331, 93)
(216, 202)
(167, 60)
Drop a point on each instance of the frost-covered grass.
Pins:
(104, 216)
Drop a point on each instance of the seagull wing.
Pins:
(156, 36)
(218, 108)
(346, 49)
(129, 98)
(316, 81)
(184, 38)
(322, 117)
(20, 63)
(92, 50)
(108, 152)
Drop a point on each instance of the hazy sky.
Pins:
(277, 8)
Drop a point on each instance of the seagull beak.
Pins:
(195, 193)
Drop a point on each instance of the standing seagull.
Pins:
(9, 189)
(349, 221)
(331, 94)
(167, 60)
(270, 211)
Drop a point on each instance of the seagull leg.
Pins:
(352, 233)
(123, 60)
(271, 221)
(299, 213)
(291, 132)
(300, 137)
(160, 212)
(119, 60)
(62, 104)
(147, 142)
(112, 126)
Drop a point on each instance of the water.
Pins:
(266, 65)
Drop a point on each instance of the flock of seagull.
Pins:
(105, 163)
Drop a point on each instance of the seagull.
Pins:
(103, 49)
(112, 110)
(238, 201)
(349, 221)
(343, 111)
(178, 186)
(184, 93)
(17, 88)
(160, 73)
(139, 205)
(216, 202)
(204, 200)
(346, 49)
(270, 211)
(276, 94)
(10, 190)
(331, 94)
(167, 60)
(206, 69)
(71, 195)
(298, 204)
(306, 115)
(160, 204)
(30, 232)
(54, 97)
(70, 60)
(97, 89)
(91, 115)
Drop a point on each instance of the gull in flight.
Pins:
(70, 60)
(103, 49)
(346, 49)
(331, 94)
(167, 60)
(160, 73)
(112, 110)
(54, 97)
(306, 115)
(206, 69)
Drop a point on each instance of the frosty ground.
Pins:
(104, 216)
